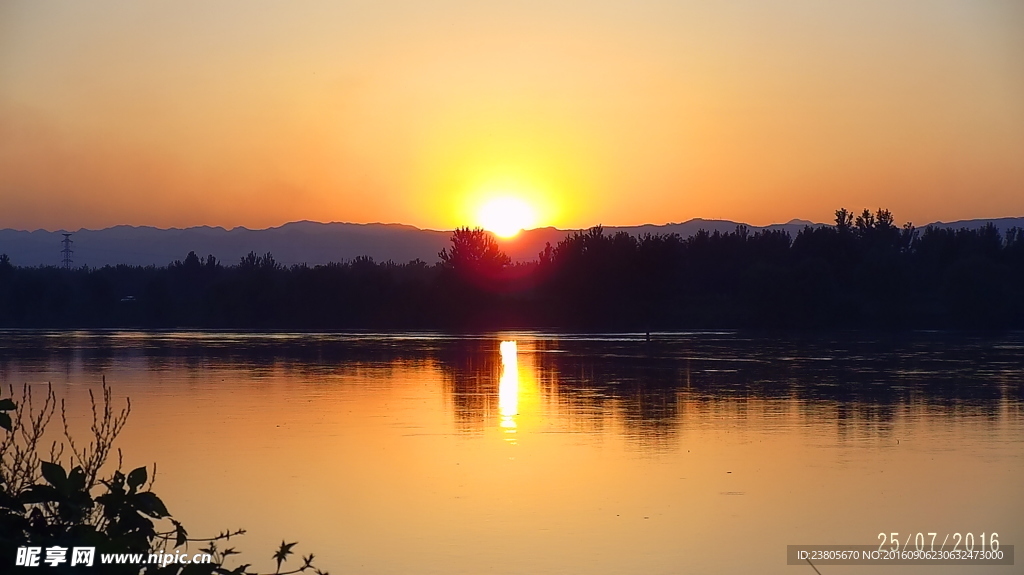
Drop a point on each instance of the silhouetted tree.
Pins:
(474, 253)
(844, 221)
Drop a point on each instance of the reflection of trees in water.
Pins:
(40, 348)
(472, 369)
(651, 417)
(594, 395)
(862, 382)
(862, 385)
(585, 398)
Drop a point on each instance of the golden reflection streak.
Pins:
(508, 387)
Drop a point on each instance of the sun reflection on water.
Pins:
(508, 388)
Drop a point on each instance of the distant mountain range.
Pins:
(317, 243)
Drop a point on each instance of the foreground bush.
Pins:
(51, 516)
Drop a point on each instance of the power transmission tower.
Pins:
(67, 251)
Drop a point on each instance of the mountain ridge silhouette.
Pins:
(313, 243)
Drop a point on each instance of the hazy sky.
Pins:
(257, 113)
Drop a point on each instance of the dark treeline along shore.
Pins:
(862, 272)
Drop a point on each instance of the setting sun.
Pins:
(506, 216)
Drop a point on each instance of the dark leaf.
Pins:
(54, 474)
(7, 404)
(76, 479)
(39, 494)
(5, 421)
(136, 478)
(180, 535)
(115, 484)
(147, 502)
(282, 554)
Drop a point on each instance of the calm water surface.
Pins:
(558, 453)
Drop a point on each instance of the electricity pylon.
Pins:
(67, 251)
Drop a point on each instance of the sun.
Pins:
(506, 216)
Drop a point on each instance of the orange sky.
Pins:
(257, 113)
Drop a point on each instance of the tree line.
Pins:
(862, 272)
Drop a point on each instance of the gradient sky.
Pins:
(258, 113)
